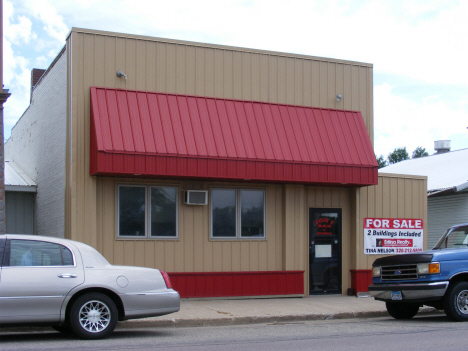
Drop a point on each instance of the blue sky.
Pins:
(416, 47)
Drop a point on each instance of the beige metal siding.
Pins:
(396, 196)
(285, 246)
(194, 69)
(194, 251)
(171, 66)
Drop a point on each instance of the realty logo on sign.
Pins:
(392, 235)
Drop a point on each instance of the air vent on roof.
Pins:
(442, 146)
(196, 197)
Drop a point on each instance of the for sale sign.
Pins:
(392, 235)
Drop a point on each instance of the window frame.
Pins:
(238, 214)
(147, 220)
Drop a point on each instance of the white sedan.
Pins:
(72, 287)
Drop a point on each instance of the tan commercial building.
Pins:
(240, 172)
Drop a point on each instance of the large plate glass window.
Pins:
(237, 213)
(146, 211)
(163, 212)
(223, 206)
(252, 205)
(132, 208)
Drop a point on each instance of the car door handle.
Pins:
(67, 275)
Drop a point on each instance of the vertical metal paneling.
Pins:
(19, 212)
(194, 251)
(149, 131)
(215, 284)
(389, 199)
(444, 212)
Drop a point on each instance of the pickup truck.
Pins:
(437, 278)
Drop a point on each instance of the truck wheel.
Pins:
(93, 316)
(456, 302)
(402, 310)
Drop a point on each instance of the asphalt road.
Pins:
(434, 332)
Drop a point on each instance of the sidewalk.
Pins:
(229, 312)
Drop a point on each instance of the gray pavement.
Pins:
(211, 312)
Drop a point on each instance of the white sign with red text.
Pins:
(392, 235)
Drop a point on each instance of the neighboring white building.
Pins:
(37, 147)
(447, 188)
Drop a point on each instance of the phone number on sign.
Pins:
(407, 250)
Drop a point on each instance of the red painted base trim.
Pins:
(361, 279)
(229, 284)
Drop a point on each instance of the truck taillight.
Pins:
(167, 280)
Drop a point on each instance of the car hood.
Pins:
(450, 254)
(423, 257)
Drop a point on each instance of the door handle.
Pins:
(67, 275)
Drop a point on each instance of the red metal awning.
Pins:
(181, 136)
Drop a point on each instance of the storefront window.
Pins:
(237, 213)
(224, 213)
(252, 213)
(134, 220)
(163, 212)
(132, 211)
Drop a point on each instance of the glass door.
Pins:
(325, 251)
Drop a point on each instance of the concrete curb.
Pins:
(241, 320)
(206, 322)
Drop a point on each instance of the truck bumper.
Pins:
(409, 292)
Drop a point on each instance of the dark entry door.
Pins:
(325, 250)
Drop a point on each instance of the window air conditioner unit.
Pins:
(196, 197)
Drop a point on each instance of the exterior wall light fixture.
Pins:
(121, 74)
(338, 97)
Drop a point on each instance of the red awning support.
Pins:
(180, 136)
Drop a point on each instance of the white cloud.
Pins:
(408, 40)
(400, 122)
(53, 23)
(19, 32)
(418, 39)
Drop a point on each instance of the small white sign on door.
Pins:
(323, 251)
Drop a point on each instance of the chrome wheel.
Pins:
(462, 301)
(94, 316)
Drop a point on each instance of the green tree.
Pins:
(419, 152)
(398, 155)
(381, 161)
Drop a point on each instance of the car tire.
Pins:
(93, 316)
(456, 302)
(402, 310)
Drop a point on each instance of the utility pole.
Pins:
(4, 95)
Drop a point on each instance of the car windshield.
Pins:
(454, 238)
